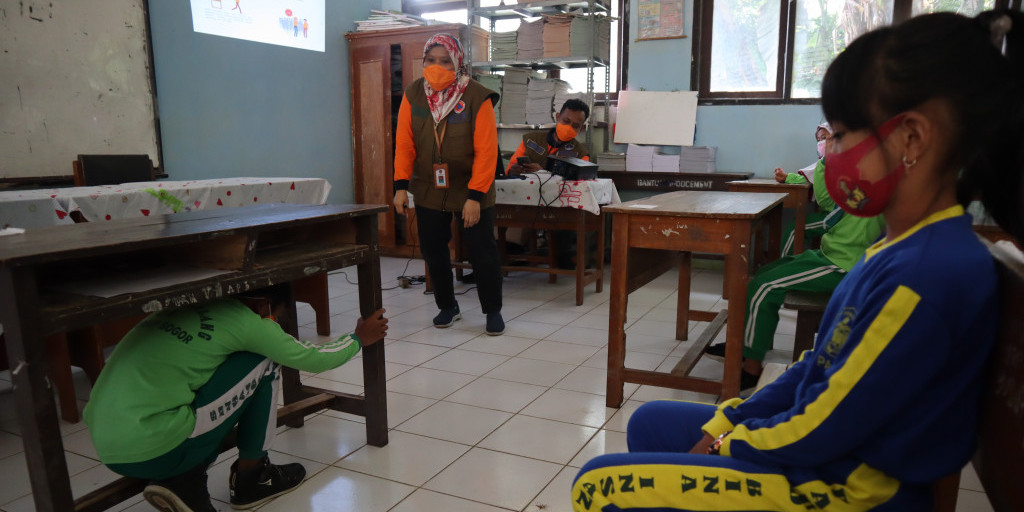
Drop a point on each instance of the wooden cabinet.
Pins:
(382, 65)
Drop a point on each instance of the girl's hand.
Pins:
(780, 175)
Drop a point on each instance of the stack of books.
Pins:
(530, 39)
(503, 46)
(514, 90)
(581, 35)
(540, 94)
(563, 93)
(556, 35)
(612, 162)
(640, 158)
(665, 163)
(388, 20)
(698, 159)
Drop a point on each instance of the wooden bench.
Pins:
(999, 458)
(809, 307)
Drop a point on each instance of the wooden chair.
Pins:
(91, 170)
(809, 309)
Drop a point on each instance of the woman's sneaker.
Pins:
(253, 488)
(186, 492)
(447, 317)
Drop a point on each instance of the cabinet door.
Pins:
(373, 156)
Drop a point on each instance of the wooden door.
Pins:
(373, 158)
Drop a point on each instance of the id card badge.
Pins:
(441, 175)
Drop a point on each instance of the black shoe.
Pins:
(468, 278)
(253, 488)
(186, 492)
(447, 317)
(715, 352)
(495, 324)
(748, 383)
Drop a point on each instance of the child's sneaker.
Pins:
(253, 488)
(186, 492)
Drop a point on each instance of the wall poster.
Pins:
(660, 19)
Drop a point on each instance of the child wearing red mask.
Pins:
(927, 116)
(446, 149)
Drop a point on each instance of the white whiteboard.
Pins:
(75, 79)
(656, 117)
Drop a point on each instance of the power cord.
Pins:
(404, 281)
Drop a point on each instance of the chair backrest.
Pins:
(999, 459)
(92, 170)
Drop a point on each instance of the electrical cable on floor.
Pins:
(408, 280)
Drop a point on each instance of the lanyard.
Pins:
(437, 139)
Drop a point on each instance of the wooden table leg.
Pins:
(736, 264)
(774, 220)
(683, 301)
(600, 252)
(581, 253)
(617, 310)
(33, 397)
(370, 300)
(800, 221)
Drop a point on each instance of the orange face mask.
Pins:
(565, 132)
(438, 77)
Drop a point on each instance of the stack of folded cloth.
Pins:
(556, 35)
(563, 93)
(503, 46)
(513, 95)
(493, 82)
(540, 94)
(611, 162)
(640, 158)
(530, 39)
(698, 159)
(581, 35)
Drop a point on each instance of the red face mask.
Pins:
(843, 181)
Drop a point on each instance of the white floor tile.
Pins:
(407, 458)
(531, 371)
(429, 501)
(972, 501)
(604, 442)
(323, 439)
(442, 337)
(428, 383)
(16, 484)
(502, 395)
(506, 344)
(336, 489)
(412, 354)
(591, 380)
(555, 497)
(581, 335)
(496, 478)
(571, 407)
(559, 352)
(455, 422)
(538, 438)
(465, 361)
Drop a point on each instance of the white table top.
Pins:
(545, 189)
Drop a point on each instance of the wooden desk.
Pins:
(672, 181)
(796, 198)
(688, 221)
(253, 247)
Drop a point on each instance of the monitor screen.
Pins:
(294, 23)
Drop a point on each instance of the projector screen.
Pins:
(294, 23)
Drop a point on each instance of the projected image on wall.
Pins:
(294, 23)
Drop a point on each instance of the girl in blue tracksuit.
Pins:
(927, 115)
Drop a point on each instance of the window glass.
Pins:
(965, 7)
(823, 29)
(745, 45)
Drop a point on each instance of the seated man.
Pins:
(561, 140)
(177, 384)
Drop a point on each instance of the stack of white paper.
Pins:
(540, 94)
(503, 46)
(563, 93)
(665, 163)
(611, 162)
(493, 82)
(581, 34)
(640, 158)
(698, 159)
(530, 39)
(514, 95)
(556, 35)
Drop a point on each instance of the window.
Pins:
(576, 77)
(776, 51)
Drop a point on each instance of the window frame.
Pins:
(700, 62)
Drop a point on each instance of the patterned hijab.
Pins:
(443, 102)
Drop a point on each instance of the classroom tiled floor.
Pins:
(478, 423)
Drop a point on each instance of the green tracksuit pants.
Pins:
(809, 271)
(243, 392)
